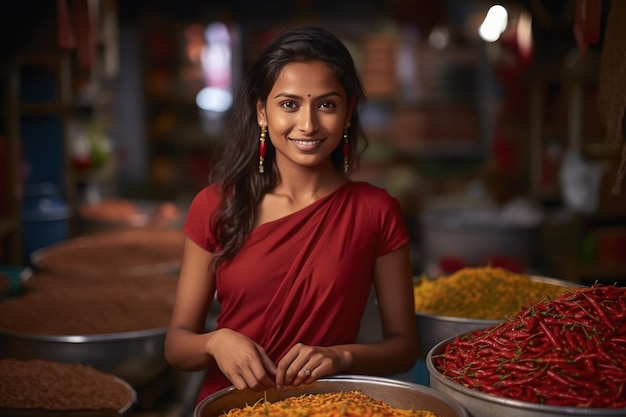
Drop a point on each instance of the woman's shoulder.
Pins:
(367, 193)
(363, 188)
(212, 189)
(210, 195)
(373, 205)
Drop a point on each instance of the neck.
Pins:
(305, 185)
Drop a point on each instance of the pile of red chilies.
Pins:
(570, 351)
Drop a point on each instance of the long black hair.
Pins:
(237, 166)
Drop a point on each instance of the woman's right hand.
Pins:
(243, 361)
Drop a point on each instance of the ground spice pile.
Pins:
(348, 403)
(484, 293)
(132, 251)
(64, 305)
(48, 385)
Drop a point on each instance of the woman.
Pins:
(286, 241)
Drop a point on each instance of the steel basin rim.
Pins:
(460, 320)
(102, 337)
(366, 379)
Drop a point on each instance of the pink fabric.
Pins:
(305, 277)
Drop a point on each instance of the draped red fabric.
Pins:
(305, 277)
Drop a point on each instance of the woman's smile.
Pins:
(306, 144)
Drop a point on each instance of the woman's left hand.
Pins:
(304, 364)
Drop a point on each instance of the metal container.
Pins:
(136, 357)
(126, 408)
(395, 393)
(475, 236)
(140, 251)
(480, 404)
(433, 328)
(45, 217)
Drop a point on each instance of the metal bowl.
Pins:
(141, 251)
(480, 404)
(476, 235)
(136, 357)
(395, 393)
(434, 328)
(126, 408)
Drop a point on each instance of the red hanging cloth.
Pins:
(85, 53)
(587, 24)
(65, 34)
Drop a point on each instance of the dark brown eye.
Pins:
(288, 105)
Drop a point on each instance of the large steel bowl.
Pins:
(126, 408)
(141, 251)
(480, 404)
(136, 357)
(433, 328)
(395, 393)
(476, 236)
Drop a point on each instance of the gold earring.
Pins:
(262, 149)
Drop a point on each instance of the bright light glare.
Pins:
(494, 24)
(214, 99)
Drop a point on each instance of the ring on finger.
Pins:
(307, 372)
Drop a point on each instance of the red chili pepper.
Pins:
(578, 383)
(548, 333)
(572, 345)
(619, 394)
(530, 323)
(608, 367)
(588, 364)
(598, 310)
(618, 340)
(555, 393)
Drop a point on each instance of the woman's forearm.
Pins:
(386, 357)
(187, 351)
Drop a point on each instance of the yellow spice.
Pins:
(481, 293)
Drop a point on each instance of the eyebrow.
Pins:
(294, 96)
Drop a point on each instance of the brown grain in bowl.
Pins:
(135, 251)
(61, 305)
(49, 385)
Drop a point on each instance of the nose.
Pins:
(307, 122)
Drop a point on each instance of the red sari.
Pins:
(305, 277)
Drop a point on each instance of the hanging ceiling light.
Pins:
(494, 24)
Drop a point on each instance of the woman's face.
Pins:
(306, 113)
